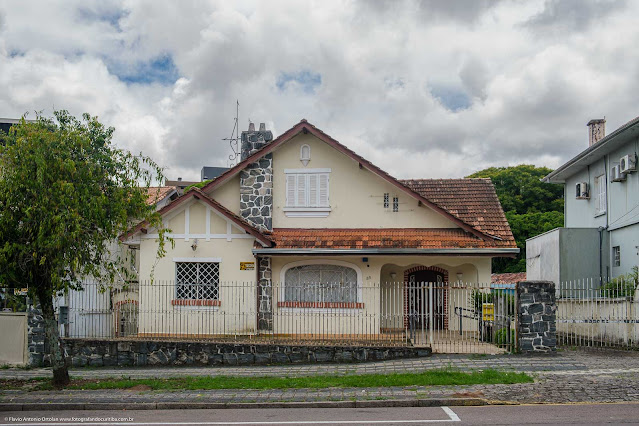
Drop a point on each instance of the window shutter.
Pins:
(313, 190)
(290, 190)
(323, 190)
(301, 191)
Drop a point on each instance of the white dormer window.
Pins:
(305, 154)
(307, 192)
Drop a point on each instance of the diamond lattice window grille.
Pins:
(197, 280)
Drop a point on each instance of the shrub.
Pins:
(622, 286)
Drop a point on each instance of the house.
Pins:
(98, 311)
(601, 191)
(304, 236)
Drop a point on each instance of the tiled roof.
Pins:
(473, 201)
(306, 127)
(157, 193)
(382, 238)
(508, 278)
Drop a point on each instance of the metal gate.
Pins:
(460, 317)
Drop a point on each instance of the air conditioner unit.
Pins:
(616, 175)
(628, 163)
(581, 190)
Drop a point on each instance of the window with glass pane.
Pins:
(320, 283)
(197, 280)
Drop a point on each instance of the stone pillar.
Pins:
(265, 295)
(256, 180)
(536, 310)
(35, 335)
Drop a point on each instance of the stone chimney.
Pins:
(253, 140)
(256, 180)
(596, 130)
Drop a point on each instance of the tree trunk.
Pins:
(51, 330)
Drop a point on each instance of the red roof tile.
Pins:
(508, 278)
(381, 238)
(155, 194)
(473, 201)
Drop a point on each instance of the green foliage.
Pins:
(501, 337)
(531, 206)
(521, 191)
(622, 286)
(427, 378)
(197, 185)
(66, 194)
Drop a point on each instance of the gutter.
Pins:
(590, 150)
(447, 252)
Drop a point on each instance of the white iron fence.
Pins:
(449, 317)
(593, 314)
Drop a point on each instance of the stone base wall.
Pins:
(82, 352)
(36, 344)
(265, 295)
(537, 309)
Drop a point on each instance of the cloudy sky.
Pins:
(421, 88)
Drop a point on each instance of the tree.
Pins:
(66, 194)
(531, 206)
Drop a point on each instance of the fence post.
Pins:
(536, 312)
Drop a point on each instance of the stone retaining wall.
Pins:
(82, 352)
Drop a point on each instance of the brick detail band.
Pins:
(195, 302)
(323, 305)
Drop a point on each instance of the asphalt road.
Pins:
(581, 414)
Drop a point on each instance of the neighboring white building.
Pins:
(601, 191)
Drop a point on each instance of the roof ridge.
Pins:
(305, 126)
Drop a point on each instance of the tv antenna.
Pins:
(234, 139)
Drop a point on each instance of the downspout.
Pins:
(601, 229)
(257, 294)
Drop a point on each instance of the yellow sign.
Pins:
(488, 311)
(247, 266)
(20, 291)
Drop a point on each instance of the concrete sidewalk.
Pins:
(595, 376)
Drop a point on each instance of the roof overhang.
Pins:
(610, 143)
(304, 127)
(493, 252)
(195, 193)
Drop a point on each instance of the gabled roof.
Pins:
(606, 145)
(472, 200)
(155, 194)
(196, 193)
(362, 239)
(305, 127)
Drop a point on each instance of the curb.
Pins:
(59, 406)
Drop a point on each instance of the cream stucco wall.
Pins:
(228, 194)
(381, 295)
(355, 195)
(224, 243)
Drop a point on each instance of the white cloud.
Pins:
(533, 73)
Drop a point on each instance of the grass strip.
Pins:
(427, 378)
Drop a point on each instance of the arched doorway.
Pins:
(416, 297)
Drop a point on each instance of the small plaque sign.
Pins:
(488, 312)
(247, 266)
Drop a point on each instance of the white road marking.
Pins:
(452, 417)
